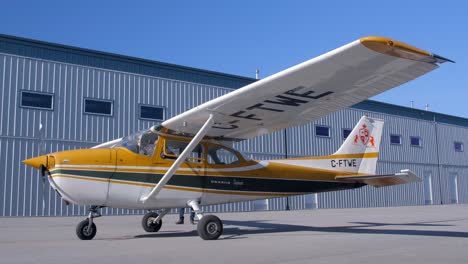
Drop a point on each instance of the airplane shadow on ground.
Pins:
(263, 227)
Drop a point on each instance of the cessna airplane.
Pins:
(188, 161)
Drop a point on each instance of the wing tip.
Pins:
(400, 49)
(441, 59)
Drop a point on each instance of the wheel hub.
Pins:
(87, 231)
(211, 228)
(151, 221)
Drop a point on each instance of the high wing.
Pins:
(310, 90)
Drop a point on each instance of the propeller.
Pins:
(43, 171)
(42, 168)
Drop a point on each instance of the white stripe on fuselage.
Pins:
(257, 166)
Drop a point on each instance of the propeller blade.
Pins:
(42, 168)
(43, 171)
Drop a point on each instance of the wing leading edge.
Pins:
(310, 90)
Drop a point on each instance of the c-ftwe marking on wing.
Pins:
(188, 161)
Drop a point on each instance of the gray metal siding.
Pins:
(126, 91)
(447, 135)
(67, 127)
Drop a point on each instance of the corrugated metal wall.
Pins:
(67, 127)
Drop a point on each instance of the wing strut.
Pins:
(198, 137)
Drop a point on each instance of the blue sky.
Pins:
(238, 37)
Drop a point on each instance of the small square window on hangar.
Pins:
(97, 106)
(458, 146)
(415, 141)
(37, 100)
(322, 131)
(395, 139)
(346, 132)
(152, 112)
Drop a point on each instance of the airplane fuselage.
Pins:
(119, 177)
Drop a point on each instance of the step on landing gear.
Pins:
(152, 221)
(209, 227)
(86, 229)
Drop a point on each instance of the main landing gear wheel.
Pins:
(210, 227)
(148, 223)
(85, 231)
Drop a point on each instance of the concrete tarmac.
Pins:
(419, 234)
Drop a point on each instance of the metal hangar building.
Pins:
(68, 97)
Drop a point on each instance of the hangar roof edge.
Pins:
(100, 59)
(398, 110)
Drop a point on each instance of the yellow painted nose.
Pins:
(36, 162)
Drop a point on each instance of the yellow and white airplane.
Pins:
(188, 161)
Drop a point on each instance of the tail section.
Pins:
(363, 143)
(357, 156)
(355, 161)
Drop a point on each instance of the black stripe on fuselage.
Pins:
(219, 182)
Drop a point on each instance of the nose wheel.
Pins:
(86, 229)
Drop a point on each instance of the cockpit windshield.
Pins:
(142, 142)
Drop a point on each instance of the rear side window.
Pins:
(37, 100)
(220, 155)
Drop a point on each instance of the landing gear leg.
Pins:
(86, 229)
(209, 227)
(152, 221)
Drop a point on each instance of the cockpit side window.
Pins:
(173, 148)
(221, 155)
(141, 142)
(148, 142)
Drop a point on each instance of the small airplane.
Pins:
(188, 160)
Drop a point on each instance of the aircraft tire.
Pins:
(83, 232)
(210, 227)
(147, 225)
